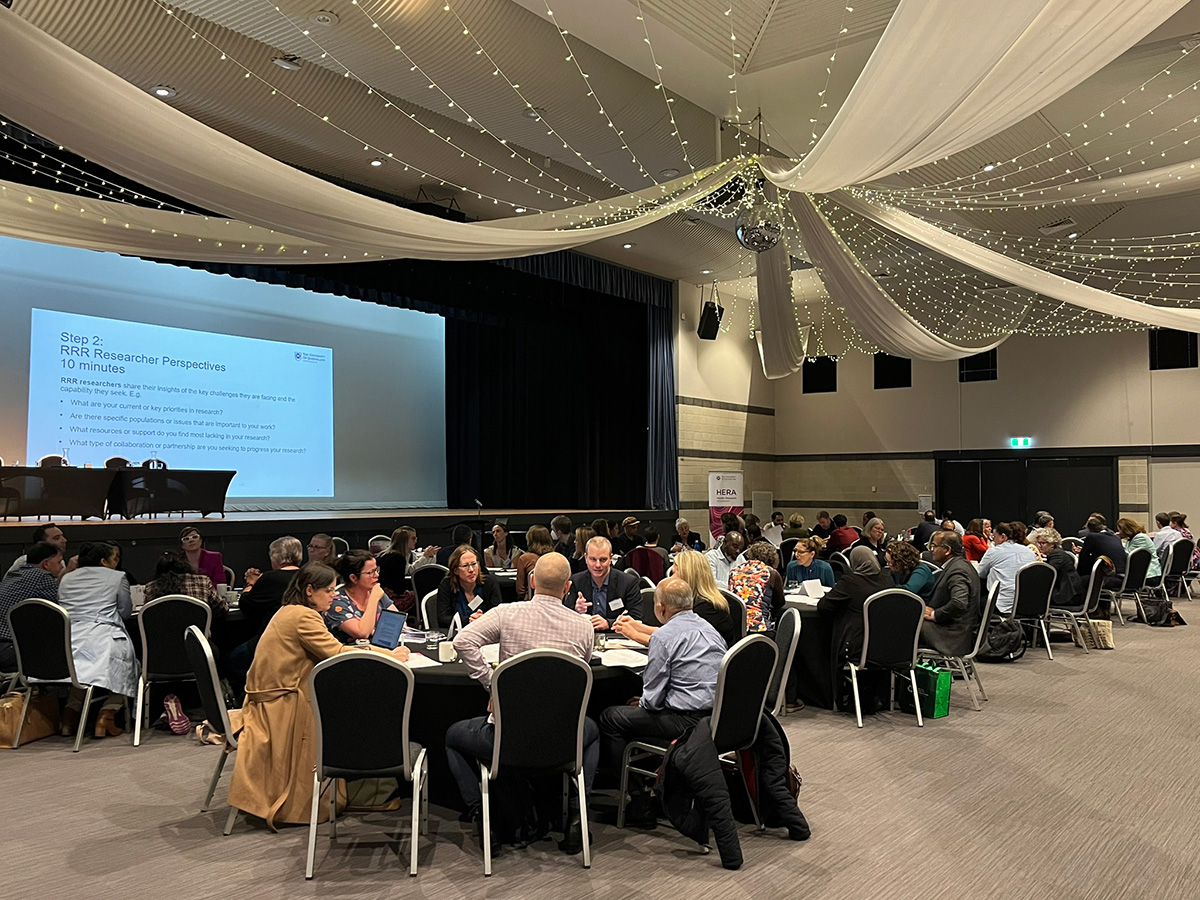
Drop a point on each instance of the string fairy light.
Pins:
(735, 66)
(661, 88)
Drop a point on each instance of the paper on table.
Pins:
(813, 588)
(621, 644)
(627, 658)
(491, 654)
(420, 661)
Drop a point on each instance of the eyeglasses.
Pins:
(366, 572)
(473, 565)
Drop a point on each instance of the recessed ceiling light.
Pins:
(378, 161)
(1072, 235)
(669, 173)
(518, 209)
(629, 246)
(165, 91)
(291, 63)
(989, 167)
(706, 271)
(324, 18)
(533, 112)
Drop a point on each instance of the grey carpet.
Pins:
(1078, 780)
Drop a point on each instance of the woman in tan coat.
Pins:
(273, 773)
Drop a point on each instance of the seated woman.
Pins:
(975, 543)
(1068, 587)
(502, 554)
(873, 539)
(273, 769)
(1133, 537)
(538, 540)
(685, 538)
(708, 602)
(758, 584)
(806, 567)
(202, 562)
(908, 571)
(355, 610)
(843, 605)
(795, 528)
(466, 591)
(97, 597)
(394, 569)
(173, 575)
(578, 559)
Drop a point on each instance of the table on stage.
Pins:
(127, 492)
(446, 694)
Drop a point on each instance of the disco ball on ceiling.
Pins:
(759, 226)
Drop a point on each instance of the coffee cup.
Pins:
(446, 652)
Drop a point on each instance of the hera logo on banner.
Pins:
(725, 488)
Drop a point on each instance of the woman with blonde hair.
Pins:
(707, 603)
(540, 543)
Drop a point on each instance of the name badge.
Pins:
(475, 603)
(616, 604)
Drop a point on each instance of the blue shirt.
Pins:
(600, 596)
(681, 671)
(818, 571)
(1000, 566)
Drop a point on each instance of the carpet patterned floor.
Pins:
(1078, 780)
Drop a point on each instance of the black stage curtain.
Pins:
(560, 385)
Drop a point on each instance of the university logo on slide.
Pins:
(297, 354)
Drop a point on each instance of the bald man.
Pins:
(537, 624)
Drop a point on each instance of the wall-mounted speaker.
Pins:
(710, 320)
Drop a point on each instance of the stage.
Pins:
(242, 537)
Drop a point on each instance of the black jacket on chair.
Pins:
(621, 586)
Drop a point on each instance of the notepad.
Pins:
(420, 661)
(623, 658)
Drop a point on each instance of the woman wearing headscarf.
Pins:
(843, 603)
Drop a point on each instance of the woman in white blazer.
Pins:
(97, 597)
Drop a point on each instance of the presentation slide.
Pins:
(317, 401)
(201, 400)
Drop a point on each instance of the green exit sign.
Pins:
(1020, 443)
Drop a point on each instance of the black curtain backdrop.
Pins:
(560, 373)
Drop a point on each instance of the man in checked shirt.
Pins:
(537, 624)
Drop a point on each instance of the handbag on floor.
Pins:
(1104, 635)
(933, 690)
(41, 722)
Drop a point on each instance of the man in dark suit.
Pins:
(925, 529)
(1101, 542)
(602, 590)
(952, 616)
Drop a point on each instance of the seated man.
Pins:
(1000, 564)
(952, 615)
(843, 536)
(1165, 536)
(52, 534)
(36, 577)
(924, 530)
(541, 623)
(629, 537)
(679, 684)
(652, 537)
(774, 531)
(1101, 542)
(725, 556)
(602, 591)
(563, 535)
(462, 534)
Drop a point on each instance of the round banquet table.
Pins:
(813, 662)
(446, 694)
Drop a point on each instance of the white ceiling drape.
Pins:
(948, 74)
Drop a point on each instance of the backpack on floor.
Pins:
(1003, 642)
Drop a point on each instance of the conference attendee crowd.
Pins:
(688, 605)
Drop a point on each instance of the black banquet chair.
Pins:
(41, 633)
(1137, 567)
(1031, 601)
(359, 737)
(965, 665)
(786, 550)
(1073, 617)
(539, 703)
(737, 610)
(787, 636)
(426, 579)
(1175, 568)
(891, 629)
(161, 623)
(204, 669)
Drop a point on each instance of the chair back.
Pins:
(230, 577)
(52, 459)
(357, 735)
(429, 611)
(648, 616)
(1069, 542)
(1137, 567)
(41, 634)
(787, 636)
(1091, 599)
(737, 610)
(341, 546)
(891, 628)
(427, 578)
(786, 550)
(840, 557)
(646, 563)
(743, 682)
(989, 604)
(1179, 555)
(204, 669)
(933, 567)
(839, 568)
(162, 623)
(1034, 590)
(539, 703)
(116, 462)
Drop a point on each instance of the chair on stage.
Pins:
(52, 459)
(153, 463)
(116, 462)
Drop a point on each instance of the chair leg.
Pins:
(1137, 599)
(233, 811)
(912, 677)
(24, 715)
(978, 683)
(583, 820)
(565, 812)
(624, 787)
(415, 830)
(1079, 634)
(486, 814)
(425, 796)
(216, 776)
(332, 810)
(312, 827)
(962, 667)
(737, 762)
(138, 709)
(1117, 606)
(83, 716)
(854, 690)
(1046, 638)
